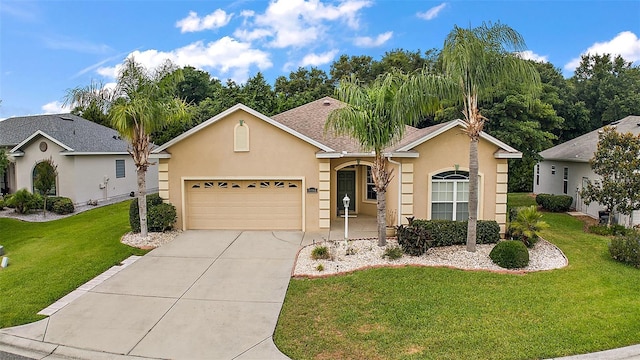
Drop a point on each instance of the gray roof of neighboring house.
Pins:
(582, 148)
(74, 132)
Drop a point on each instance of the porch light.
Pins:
(345, 202)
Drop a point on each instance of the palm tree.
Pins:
(141, 102)
(475, 60)
(376, 117)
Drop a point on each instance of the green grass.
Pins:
(436, 313)
(49, 260)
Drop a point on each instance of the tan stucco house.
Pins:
(245, 170)
(92, 160)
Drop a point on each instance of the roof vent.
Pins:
(66, 117)
(616, 122)
(326, 102)
(116, 137)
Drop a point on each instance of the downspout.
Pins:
(399, 222)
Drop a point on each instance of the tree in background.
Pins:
(44, 181)
(301, 87)
(142, 102)
(477, 60)
(608, 87)
(617, 162)
(375, 116)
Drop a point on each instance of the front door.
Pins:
(346, 185)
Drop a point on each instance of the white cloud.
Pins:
(625, 44)
(55, 107)
(318, 59)
(432, 13)
(367, 41)
(225, 55)
(300, 22)
(193, 22)
(530, 55)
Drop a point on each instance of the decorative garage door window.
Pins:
(450, 196)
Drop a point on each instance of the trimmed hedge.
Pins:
(160, 216)
(418, 237)
(626, 249)
(554, 203)
(510, 254)
(63, 206)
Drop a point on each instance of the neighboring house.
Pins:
(565, 168)
(92, 161)
(244, 170)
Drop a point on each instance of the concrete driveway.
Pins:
(205, 295)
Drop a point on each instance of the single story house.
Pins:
(565, 168)
(92, 160)
(244, 170)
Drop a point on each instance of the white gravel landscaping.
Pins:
(153, 240)
(366, 253)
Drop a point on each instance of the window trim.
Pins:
(481, 184)
(124, 168)
(366, 197)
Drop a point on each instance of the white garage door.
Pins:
(244, 204)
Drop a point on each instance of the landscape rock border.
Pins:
(367, 254)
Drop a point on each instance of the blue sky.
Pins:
(47, 47)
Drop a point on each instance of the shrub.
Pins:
(510, 254)
(605, 230)
(554, 203)
(7, 201)
(447, 232)
(1, 203)
(51, 200)
(320, 267)
(134, 216)
(414, 240)
(161, 217)
(63, 206)
(393, 253)
(626, 249)
(320, 252)
(24, 201)
(527, 225)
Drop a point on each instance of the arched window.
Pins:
(450, 196)
(52, 192)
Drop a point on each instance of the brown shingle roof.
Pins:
(309, 119)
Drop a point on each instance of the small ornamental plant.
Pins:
(510, 254)
(320, 252)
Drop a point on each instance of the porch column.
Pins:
(407, 193)
(501, 195)
(324, 193)
(163, 179)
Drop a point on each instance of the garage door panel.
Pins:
(244, 204)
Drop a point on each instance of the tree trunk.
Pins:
(381, 202)
(142, 201)
(473, 194)
(44, 209)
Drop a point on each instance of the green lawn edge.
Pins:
(48, 260)
(436, 313)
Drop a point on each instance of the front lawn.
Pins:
(436, 313)
(49, 260)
